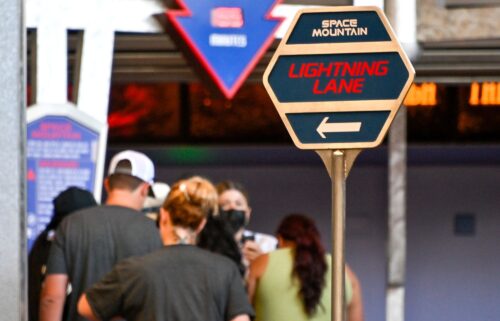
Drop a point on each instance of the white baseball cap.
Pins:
(140, 165)
(153, 203)
(161, 191)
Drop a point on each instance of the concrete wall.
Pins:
(13, 276)
(453, 277)
(436, 22)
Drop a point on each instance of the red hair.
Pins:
(309, 264)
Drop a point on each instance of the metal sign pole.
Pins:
(320, 115)
(338, 166)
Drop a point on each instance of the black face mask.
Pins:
(235, 218)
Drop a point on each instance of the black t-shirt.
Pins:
(90, 242)
(176, 283)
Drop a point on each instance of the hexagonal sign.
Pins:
(338, 78)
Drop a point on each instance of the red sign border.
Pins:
(229, 93)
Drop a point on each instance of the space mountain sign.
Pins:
(227, 38)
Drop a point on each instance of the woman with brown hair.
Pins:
(178, 282)
(235, 208)
(294, 282)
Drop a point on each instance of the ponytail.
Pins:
(309, 264)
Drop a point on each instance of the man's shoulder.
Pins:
(76, 217)
(112, 215)
(119, 210)
(101, 211)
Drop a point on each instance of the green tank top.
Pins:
(277, 293)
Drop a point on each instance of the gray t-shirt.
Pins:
(90, 242)
(176, 283)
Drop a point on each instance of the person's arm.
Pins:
(251, 251)
(355, 309)
(105, 299)
(53, 297)
(242, 317)
(85, 310)
(54, 289)
(237, 307)
(257, 269)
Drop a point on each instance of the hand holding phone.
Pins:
(251, 250)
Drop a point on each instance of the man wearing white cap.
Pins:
(91, 241)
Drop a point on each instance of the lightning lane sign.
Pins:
(338, 78)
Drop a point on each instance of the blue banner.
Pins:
(227, 37)
(61, 153)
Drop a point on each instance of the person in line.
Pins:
(179, 282)
(235, 208)
(90, 242)
(218, 237)
(294, 282)
(68, 201)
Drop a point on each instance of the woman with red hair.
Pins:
(294, 282)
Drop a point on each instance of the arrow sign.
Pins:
(227, 37)
(326, 127)
(335, 127)
(338, 78)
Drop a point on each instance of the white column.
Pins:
(13, 275)
(51, 79)
(98, 20)
(396, 243)
(402, 16)
(93, 77)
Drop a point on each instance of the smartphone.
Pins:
(247, 237)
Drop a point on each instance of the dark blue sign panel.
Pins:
(61, 153)
(328, 71)
(338, 127)
(338, 27)
(228, 37)
(342, 77)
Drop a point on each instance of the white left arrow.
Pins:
(326, 127)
